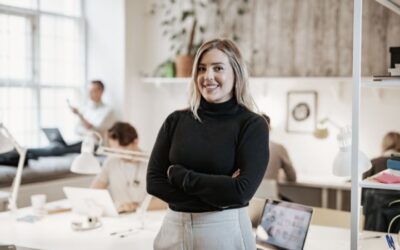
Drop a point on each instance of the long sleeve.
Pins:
(157, 181)
(223, 191)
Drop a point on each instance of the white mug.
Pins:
(38, 202)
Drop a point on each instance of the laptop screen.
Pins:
(283, 225)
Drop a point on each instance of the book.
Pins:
(393, 164)
(385, 77)
(387, 177)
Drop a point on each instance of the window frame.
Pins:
(33, 82)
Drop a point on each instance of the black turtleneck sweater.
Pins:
(205, 154)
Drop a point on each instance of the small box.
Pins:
(394, 56)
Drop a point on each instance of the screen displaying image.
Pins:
(284, 225)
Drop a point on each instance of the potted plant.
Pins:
(180, 26)
(183, 23)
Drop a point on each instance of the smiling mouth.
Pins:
(210, 86)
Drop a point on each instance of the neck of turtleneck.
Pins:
(224, 108)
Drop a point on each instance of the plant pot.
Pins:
(184, 65)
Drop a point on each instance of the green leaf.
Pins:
(186, 14)
(241, 11)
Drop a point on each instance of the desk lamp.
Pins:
(7, 143)
(86, 163)
(342, 161)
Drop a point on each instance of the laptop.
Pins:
(86, 200)
(54, 135)
(283, 225)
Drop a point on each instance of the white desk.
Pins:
(54, 232)
(324, 183)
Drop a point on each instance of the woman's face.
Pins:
(215, 78)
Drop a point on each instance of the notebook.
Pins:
(54, 135)
(283, 225)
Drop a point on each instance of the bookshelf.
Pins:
(358, 82)
(377, 185)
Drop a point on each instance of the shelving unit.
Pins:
(377, 185)
(357, 84)
(162, 80)
(381, 84)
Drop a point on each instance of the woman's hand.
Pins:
(128, 207)
(236, 174)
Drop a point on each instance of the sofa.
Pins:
(46, 175)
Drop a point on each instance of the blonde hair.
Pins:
(391, 141)
(241, 77)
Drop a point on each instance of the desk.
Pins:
(54, 232)
(323, 183)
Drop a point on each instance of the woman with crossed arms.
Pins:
(209, 159)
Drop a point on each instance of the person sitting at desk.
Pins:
(125, 179)
(278, 160)
(390, 145)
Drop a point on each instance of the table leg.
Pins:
(339, 199)
(324, 197)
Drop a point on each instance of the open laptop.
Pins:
(283, 225)
(54, 135)
(85, 200)
(82, 200)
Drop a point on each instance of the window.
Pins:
(42, 64)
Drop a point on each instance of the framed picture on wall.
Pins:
(301, 111)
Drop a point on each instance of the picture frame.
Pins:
(301, 111)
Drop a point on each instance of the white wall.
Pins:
(106, 48)
(147, 105)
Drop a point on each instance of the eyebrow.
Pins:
(215, 63)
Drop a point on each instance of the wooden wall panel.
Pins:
(310, 37)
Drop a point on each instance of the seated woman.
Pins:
(390, 145)
(280, 166)
(125, 179)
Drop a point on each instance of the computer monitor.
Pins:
(283, 225)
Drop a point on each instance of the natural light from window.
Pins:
(42, 64)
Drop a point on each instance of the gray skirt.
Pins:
(223, 230)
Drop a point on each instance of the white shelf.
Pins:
(387, 83)
(378, 185)
(394, 5)
(163, 80)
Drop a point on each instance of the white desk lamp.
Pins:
(86, 163)
(7, 143)
(342, 161)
